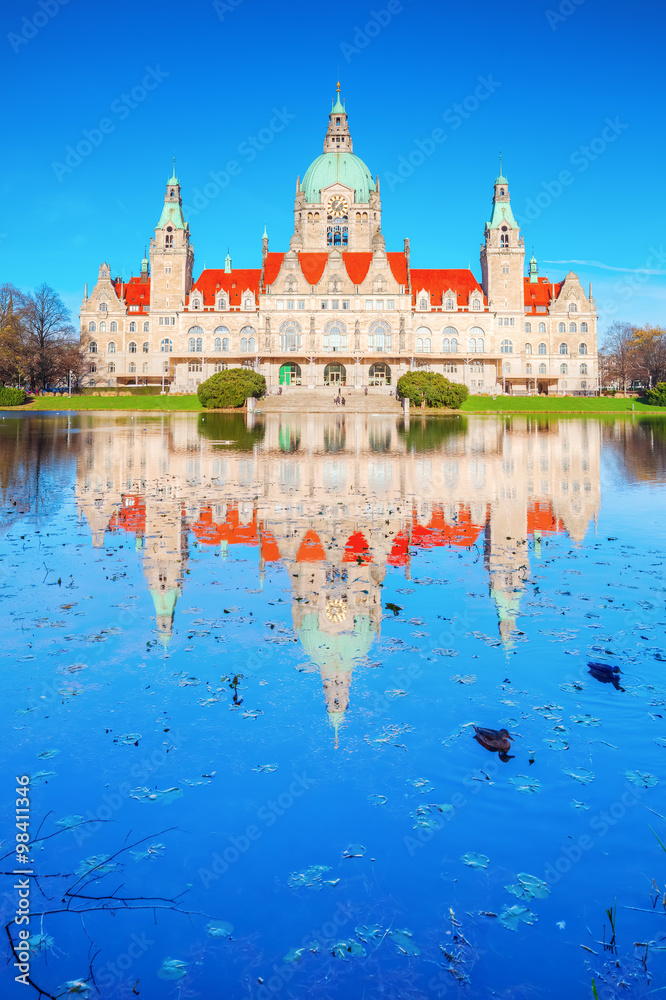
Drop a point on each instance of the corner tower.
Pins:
(171, 255)
(337, 203)
(503, 254)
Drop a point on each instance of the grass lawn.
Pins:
(163, 403)
(558, 404)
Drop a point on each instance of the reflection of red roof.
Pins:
(462, 533)
(134, 292)
(399, 554)
(231, 530)
(270, 551)
(357, 548)
(131, 517)
(310, 549)
(437, 282)
(540, 517)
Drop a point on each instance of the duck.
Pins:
(497, 740)
(606, 673)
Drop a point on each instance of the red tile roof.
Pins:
(211, 281)
(133, 293)
(437, 282)
(541, 293)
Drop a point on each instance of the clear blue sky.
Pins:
(220, 70)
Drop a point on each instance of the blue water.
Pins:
(258, 650)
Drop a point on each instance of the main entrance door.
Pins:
(380, 374)
(335, 374)
(290, 374)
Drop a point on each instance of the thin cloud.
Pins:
(607, 267)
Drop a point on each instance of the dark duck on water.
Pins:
(496, 740)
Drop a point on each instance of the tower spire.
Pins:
(338, 139)
(174, 179)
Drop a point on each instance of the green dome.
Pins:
(345, 168)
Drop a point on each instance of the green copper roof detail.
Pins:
(343, 168)
(172, 214)
(338, 107)
(265, 236)
(533, 270)
(501, 179)
(502, 214)
(174, 179)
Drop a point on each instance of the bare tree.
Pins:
(649, 347)
(49, 333)
(12, 335)
(617, 355)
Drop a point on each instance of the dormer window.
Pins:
(195, 304)
(248, 304)
(423, 304)
(450, 304)
(103, 307)
(476, 304)
(222, 304)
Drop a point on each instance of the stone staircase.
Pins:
(306, 399)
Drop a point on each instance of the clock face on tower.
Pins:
(338, 206)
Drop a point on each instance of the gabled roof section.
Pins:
(438, 281)
(172, 214)
(312, 266)
(213, 280)
(134, 292)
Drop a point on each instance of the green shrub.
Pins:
(11, 397)
(434, 389)
(231, 388)
(657, 396)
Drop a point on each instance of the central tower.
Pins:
(337, 204)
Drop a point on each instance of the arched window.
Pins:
(471, 345)
(528, 348)
(243, 343)
(450, 304)
(365, 216)
(251, 344)
(449, 334)
(166, 346)
(112, 366)
(221, 337)
(92, 347)
(103, 307)
(561, 327)
(132, 368)
(146, 326)
(168, 240)
(454, 345)
(446, 345)
(477, 334)
(582, 348)
(572, 328)
(335, 336)
(419, 345)
(132, 328)
(476, 304)
(111, 347)
(290, 336)
(195, 342)
(583, 327)
(225, 343)
(247, 303)
(583, 385)
(423, 303)
(221, 303)
(92, 368)
(506, 347)
(217, 345)
(564, 369)
(190, 345)
(358, 216)
(504, 241)
(564, 349)
(145, 347)
(310, 216)
(93, 327)
(541, 328)
(542, 369)
(506, 367)
(316, 218)
(583, 369)
(247, 335)
(528, 369)
(102, 327)
(542, 349)
(379, 337)
(573, 308)
(144, 367)
(528, 328)
(131, 347)
(113, 327)
(426, 345)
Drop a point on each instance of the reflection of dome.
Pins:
(165, 605)
(508, 607)
(342, 650)
(343, 168)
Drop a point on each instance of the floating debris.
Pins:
(473, 860)
(40, 942)
(47, 755)
(310, 878)
(585, 720)
(96, 863)
(265, 768)
(150, 854)
(78, 986)
(294, 955)
(529, 887)
(576, 804)
(525, 784)
(354, 851)
(403, 942)
(343, 949)
(67, 822)
(40, 776)
(369, 932)
(172, 968)
(464, 678)
(127, 739)
(377, 800)
(165, 796)
(642, 779)
(582, 774)
(220, 930)
(511, 916)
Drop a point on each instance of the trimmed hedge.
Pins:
(432, 388)
(230, 388)
(656, 396)
(11, 397)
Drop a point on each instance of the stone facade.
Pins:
(337, 308)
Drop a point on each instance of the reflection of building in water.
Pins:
(336, 499)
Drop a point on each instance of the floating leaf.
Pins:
(395, 693)
(47, 754)
(581, 774)
(127, 739)
(555, 743)
(529, 887)
(294, 955)
(354, 851)
(525, 784)
(265, 768)
(377, 800)
(189, 682)
(67, 822)
(585, 720)
(641, 778)
(343, 949)
(369, 932)
(473, 860)
(150, 854)
(96, 863)
(220, 930)
(446, 652)
(511, 916)
(78, 986)
(172, 968)
(464, 678)
(578, 805)
(42, 776)
(40, 942)
(165, 796)
(309, 878)
(403, 942)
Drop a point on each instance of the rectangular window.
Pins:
(134, 309)
(345, 303)
(290, 303)
(280, 305)
(161, 321)
(301, 303)
(335, 304)
(380, 304)
(167, 270)
(368, 303)
(390, 304)
(505, 270)
(542, 309)
(512, 321)
(323, 305)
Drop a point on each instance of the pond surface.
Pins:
(242, 667)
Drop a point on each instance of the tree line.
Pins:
(38, 344)
(632, 354)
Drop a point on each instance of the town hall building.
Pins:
(337, 308)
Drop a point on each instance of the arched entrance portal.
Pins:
(335, 374)
(380, 374)
(290, 374)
